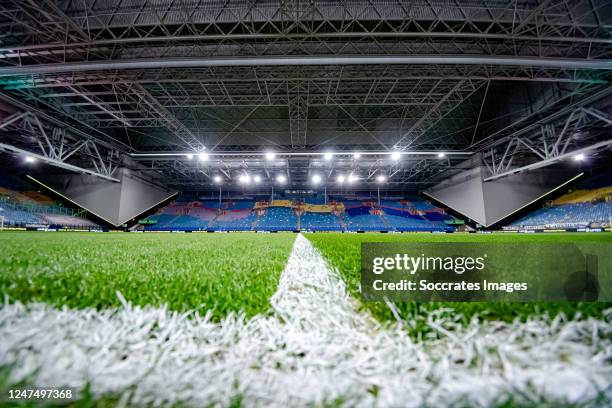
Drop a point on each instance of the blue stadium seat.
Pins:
(366, 222)
(310, 221)
(277, 219)
(575, 215)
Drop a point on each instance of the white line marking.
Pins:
(315, 349)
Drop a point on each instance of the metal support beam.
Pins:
(445, 105)
(149, 63)
(297, 95)
(547, 162)
(56, 163)
(55, 146)
(550, 142)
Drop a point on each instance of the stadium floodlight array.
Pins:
(316, 179)
(281, 178)
(30, 159)
(326, 155)
(381, 178)
(217, 179)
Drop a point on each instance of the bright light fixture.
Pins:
(396, 156)
(441, 155)
(203, 156)
(341, 179)
(217, 179)
(30, 159)
(356, 155)
(328, 156)
(190, 156)
(316, 179)
(579, 157)
(352, 178)
(270, 156)
(281, 178)
(381, 178)
(244, 178)
(257, 179)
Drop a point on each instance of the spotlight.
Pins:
(579, 157)
(352, 178)
(270, 156)
(341, 179)
(190, 156)
(381, 178)
(217, 179)
(316, 179)
(257, 179)
(396, 156)
(203, 156)
(441, 155)
(328, 156)
(281, 178)
(30, 159)
(244, 178)
(356, 155)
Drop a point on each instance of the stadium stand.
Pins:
(20, 206)
(311, 221)
(233, 220)
(277, 219)
(590, 205)
(366, 222)
(354, 214)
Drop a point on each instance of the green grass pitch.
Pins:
(220, 272)
(343, 251)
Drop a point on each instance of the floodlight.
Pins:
(356, 155)
(328, 156)
(217, 179)
(30, 159)
(190, 156)
(441, 155)
(396, 156)
(203, 156)
(316, 179)
(270, 156)
(579, 157)
(281, 178)
(244, 178)
(257, 179)
(381, 178)
(352, 178)
(341, 179)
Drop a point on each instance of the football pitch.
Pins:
(237, 319)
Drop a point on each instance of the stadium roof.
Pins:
(88, 82)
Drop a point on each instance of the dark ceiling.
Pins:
(101, 83)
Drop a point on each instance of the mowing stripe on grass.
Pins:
(219, 272)
(344, 252)
(315, 349)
